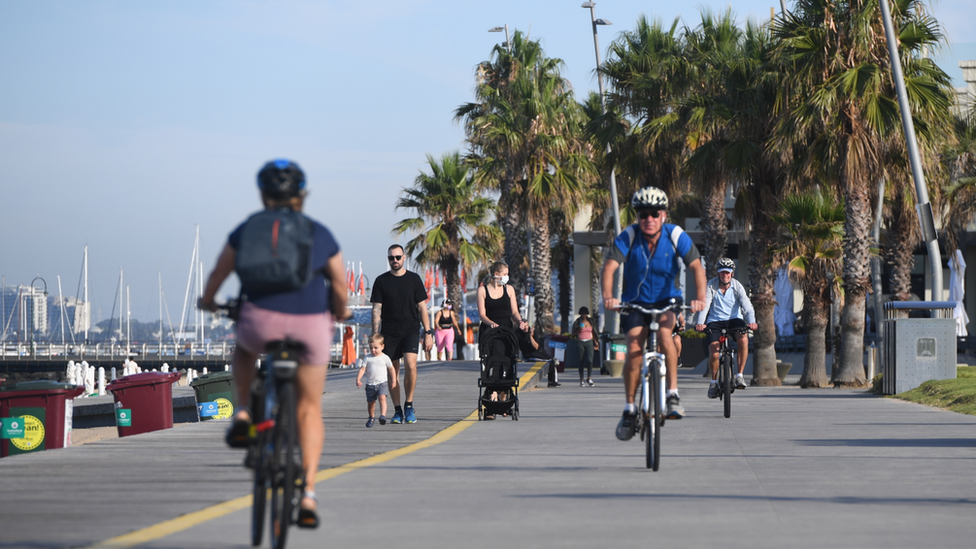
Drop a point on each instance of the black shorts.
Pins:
(632, 319)
(715, 327)
(395, 346)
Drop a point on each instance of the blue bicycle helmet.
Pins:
(280, 179)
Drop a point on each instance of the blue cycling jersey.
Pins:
(652, 279)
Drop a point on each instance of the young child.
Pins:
(377, 369)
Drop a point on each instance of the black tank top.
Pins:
(499, 310)
(444, 321)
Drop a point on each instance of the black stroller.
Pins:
(499, 373)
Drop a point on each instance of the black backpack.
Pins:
(275, 252)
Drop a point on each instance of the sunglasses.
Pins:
(644, 214)
(394, 257)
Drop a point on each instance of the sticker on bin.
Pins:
(619, 350)
(13, 427)
(218, 409)
(33, 434)
(123, 417)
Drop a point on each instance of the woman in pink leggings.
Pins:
(446, 322)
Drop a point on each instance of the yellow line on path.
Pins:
(189, 520)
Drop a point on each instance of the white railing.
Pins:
(109, 350)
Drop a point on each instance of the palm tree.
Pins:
(844, 112)
(812, 230)
(715, 48)
(451, 220)
(526, 136)
(648, 71)
(959, 160)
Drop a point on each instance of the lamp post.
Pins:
(614, 203)
(508, 43)
(30, 320)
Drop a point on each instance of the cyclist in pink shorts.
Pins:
(446, 322)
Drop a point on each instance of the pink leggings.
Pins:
(444, 339)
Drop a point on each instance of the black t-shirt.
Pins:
(399, 296)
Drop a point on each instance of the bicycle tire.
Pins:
(727, 383)
(283, 461)
(654, 426)
(259, 462)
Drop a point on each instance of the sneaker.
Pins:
(382, 420)
(582, 383)
(713, 390)
(397, 417)
(555, 384)
(675, 409)
(369, 422)
(408, 415)
(627, 426)
(589, 382)
(740, 382)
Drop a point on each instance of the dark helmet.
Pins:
(281, 178)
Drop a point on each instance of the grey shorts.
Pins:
(373, 391)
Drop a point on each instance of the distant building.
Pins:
(966, 96)
(25, 312)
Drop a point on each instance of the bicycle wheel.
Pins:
(654, 423)
(284, 460)
(727, 380)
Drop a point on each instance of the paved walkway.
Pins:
(792, 467)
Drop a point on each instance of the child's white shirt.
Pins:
(376, 369)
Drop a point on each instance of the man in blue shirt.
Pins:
(651, 267)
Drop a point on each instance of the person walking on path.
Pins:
(304, 315)
(585, 345)
(497, 305)
(447, 327)
(651, 266)
(727, 305)
(377, 369)
(399, 309)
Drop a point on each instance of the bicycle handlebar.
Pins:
(655, 312)
(734, 331)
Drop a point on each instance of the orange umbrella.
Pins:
(362, 284)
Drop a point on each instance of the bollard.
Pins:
(101, 381)
(870, 367)
(113, 374)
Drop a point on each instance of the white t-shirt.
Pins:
(376, 369)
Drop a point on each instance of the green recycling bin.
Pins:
(36, 415)
(216, 397)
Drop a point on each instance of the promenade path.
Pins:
(791, 468)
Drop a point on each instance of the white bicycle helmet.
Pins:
(726, 263)
(649, 198)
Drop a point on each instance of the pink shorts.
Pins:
(444, 339)
(256, 327)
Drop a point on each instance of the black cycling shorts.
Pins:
(715, 327)
(632, 319)
(395, 346)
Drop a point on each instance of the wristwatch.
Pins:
(429, 332)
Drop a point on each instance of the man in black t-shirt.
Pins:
(399, 309)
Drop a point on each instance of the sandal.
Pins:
(239, 434)
(489, 416)
(308, 518)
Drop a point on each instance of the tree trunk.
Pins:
(596, 292)
(762, 282)
(815, 359)
(510, 219)
(541, 268)
(857, 279)
(563, 269)
(714, 224)
(899, 251)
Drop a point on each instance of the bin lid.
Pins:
(145, 378)
(39, 385)
(211, 378)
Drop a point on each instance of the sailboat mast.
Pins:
(128, 320)
(121, 302)
(159, 275)
(86, 314)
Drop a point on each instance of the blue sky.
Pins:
(125, 125)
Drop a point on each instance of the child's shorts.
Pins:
(373, 391)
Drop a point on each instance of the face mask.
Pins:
(448, 307)
(502, 279)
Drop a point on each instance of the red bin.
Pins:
(46, 407)
(143, 402)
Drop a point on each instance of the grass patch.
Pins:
(956, 395)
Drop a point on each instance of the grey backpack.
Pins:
(275, 252)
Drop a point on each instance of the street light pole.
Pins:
(508, 42)
(924, 207)
(614, 203)
(30, 320)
